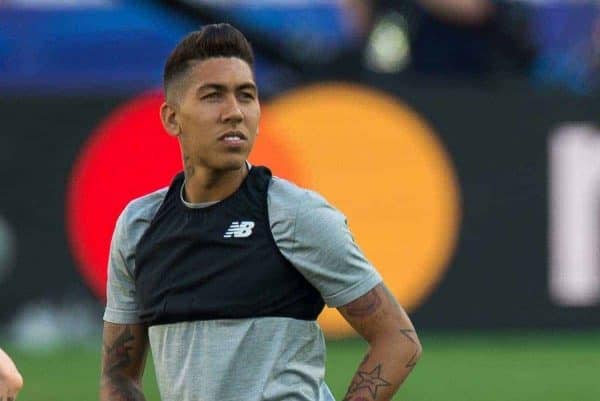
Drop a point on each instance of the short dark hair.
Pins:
(215, 40)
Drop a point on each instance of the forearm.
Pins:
(123, 360)
(120, 388)
(385, 367)
(394, 345)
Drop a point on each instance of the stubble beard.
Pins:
(218, 166)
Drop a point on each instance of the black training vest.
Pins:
(218, 262)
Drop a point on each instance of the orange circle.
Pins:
(384, 168)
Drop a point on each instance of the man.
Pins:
(224, 273)
(11, 381)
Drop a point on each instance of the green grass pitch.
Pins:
(515, 366)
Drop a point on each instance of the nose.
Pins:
(232, 113)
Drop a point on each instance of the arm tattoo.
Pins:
(406, 333)
(117, 357)
(365, 305)
(371, 381)
(412, 362)
(121, 389)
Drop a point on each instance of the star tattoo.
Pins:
(371, 381)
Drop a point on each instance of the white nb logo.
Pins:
(239, 229)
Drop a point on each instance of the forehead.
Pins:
(229, 71)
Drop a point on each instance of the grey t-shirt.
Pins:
(267, 358)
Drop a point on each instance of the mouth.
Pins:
(233, 137)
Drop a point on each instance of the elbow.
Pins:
(403, 345)
(410, 348)
(418, 351)
(18, 382)
(14, 382)
(11, 379)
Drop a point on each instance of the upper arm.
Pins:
(121, 305)
(315, 238)
(124, 350)
(124, 338)
(377, 314)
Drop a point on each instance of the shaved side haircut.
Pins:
(215, 40)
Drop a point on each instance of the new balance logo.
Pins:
(239, 229)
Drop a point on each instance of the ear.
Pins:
(168, 117)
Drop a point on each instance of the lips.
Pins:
(233, 136)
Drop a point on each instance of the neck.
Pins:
(202, 185)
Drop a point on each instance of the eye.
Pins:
(247, 96)
(211, 96)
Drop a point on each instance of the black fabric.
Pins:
(187, 269)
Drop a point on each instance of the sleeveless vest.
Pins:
(218, 262)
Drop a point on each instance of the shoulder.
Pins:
(145, 207)
(138, 214)
(315, 238)
(285, 197)
(293, 209)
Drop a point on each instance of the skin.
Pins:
(11, 380)
(394, 347)
(219, 96)
(124, 352)
(214, 97)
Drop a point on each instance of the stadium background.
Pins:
(463, 148)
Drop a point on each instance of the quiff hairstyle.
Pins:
(215, 40)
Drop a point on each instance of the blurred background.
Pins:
(459, 137)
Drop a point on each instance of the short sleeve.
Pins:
(318, 242)
(121, 306)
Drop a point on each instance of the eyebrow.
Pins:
(223, 88)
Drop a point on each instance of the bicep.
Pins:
(124, 350)
(322, 248)
(376, 314)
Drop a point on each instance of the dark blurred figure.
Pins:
(445, 38)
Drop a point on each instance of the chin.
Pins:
(232, 164)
